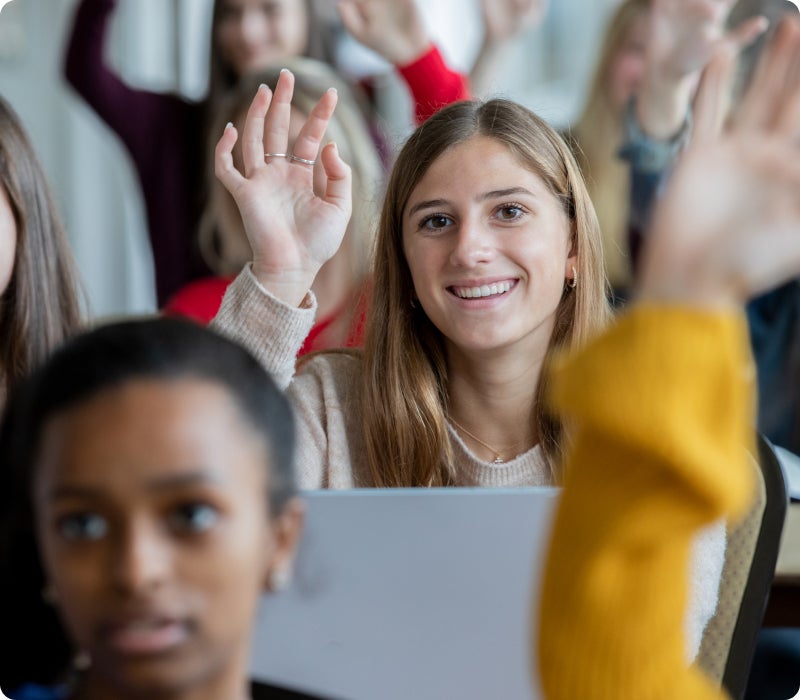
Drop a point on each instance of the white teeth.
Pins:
(485, 290)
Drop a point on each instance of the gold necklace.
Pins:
(498, 454)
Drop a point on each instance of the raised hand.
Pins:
(504, 19)
(393, 29)
(728, 226)
(683, 35)
(292, 231)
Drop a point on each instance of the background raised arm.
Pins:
(728, 226)
(683, 36)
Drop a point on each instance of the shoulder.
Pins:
(337, 371)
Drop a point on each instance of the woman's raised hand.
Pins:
(728, 226)
(394, 29)
(292, 230)
(683, 35)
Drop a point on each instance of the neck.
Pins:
(493, 398)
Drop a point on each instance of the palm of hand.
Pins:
(729, 224)
(292, 229)
(684, 33)
(289, 227)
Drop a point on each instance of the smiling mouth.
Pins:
(482, 291)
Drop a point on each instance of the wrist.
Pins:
(409, 52)
(290, 286)
(662, 105)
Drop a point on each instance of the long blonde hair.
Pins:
(404, 378)
(598, 136)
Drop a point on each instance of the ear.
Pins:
(572, 255)
(287, 527)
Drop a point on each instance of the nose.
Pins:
(250, 27)
(472, 245)
(140, 559)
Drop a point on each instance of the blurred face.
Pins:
(626, 71)
(252, 34)
(488, 247)
(8, 241)
(154, 530)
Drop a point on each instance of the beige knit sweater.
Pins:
(325, 395)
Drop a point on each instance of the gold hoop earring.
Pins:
(574, 281)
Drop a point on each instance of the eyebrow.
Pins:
(493, 194)
(166, 483)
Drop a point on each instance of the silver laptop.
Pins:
(403, 594)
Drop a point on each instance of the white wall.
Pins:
(91, 176)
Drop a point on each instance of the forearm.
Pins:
(269, 328)
(662, 104)
(668, 456)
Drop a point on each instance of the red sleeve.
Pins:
(199, 300)
(433, 84)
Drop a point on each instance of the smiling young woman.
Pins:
(487, 260)
(486, 224)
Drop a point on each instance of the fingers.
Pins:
(307, 144)
(338, 189)
(748, 31)
(253, 135)
(713, 95)
(767, 90)
(275, 130)
(224, 168)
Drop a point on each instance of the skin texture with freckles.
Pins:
(478, 217)
(154, 528)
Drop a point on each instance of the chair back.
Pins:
(726, 650)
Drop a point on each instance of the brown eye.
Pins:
(509, 212)
(436, 221)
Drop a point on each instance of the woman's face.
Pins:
(153, 526)
(253, 34)
(488, 247)
(8, 241)
(626, 71)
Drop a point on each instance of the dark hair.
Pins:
(109, 356)
(41, 305)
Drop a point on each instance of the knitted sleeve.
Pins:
(662, 410)
(268, 328)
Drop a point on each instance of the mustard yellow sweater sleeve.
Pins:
(662, 408)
